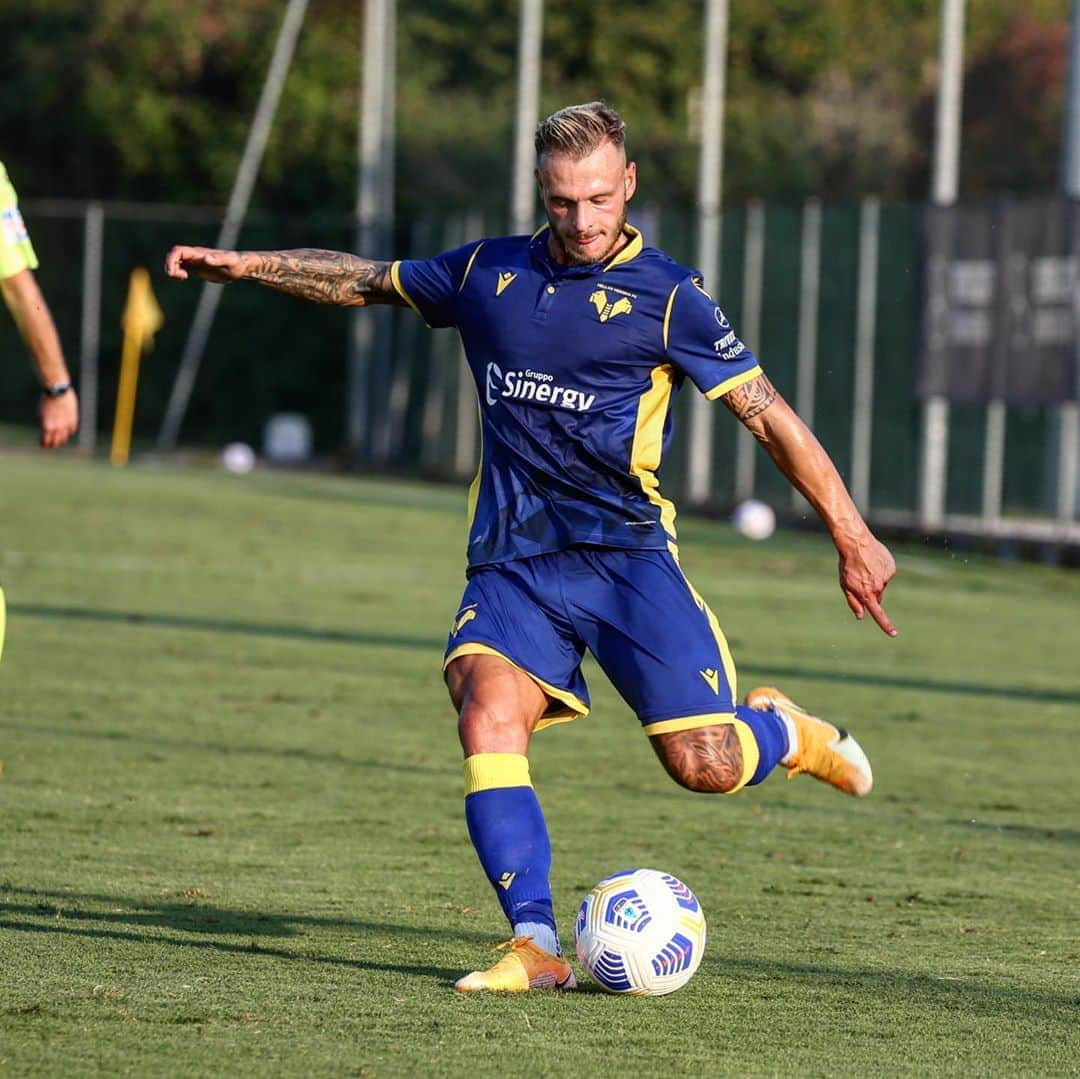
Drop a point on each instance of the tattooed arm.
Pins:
(321, 276)
(866, 566)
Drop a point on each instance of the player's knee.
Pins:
(706, 760)
(483, 728)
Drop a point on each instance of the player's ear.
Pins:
(630, 180)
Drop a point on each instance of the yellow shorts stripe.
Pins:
(487, 771)
(721, 641)
(687, 723)
(568, 706)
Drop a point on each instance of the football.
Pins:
(753, 519)
(640, 932)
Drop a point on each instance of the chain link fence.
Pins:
(269, 354)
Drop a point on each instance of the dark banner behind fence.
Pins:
(1000, 302)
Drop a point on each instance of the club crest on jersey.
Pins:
(609, 308)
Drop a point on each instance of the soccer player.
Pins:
(578, 338)
(59, 409)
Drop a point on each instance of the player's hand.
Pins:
(864, 572)
(59, 419)
(206, 262)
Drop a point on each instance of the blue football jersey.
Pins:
(576, 368)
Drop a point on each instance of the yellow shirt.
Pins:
(16, 251)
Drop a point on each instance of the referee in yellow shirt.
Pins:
(59, 410)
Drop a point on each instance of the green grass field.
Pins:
(233, 838)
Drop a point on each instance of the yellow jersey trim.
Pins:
(474, 487)
(569, 705)
(734, 382)
(468, 268)
(487, 771)
(667, 315)
(395, 277)
(647, 446)
(630, 251)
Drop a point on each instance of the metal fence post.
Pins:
(809, 299)
(862, 417)
(90, 337)
(750, 332)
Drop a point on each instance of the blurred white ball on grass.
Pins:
(754, 519)
(238, 457)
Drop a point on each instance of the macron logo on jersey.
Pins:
(533, 386)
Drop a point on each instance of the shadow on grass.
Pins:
(126, 919)
(441, 974)
(429, 644)
(225, 625)
(192, 915)
(958, 995)
(295, 754)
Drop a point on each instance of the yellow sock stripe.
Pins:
(486, 771)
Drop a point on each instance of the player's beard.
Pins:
(570, 258)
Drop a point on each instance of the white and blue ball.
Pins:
(640, 932)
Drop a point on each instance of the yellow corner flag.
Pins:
(142, 319)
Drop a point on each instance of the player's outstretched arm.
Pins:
(866, 566)
(333, 277)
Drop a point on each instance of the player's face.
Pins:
(585, 202)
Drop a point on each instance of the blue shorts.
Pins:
(634, 610)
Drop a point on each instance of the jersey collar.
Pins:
(538, 244)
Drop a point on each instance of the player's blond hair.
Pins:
(578, 130)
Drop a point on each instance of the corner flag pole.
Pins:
(210, 296)
(142, 319)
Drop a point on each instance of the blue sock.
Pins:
(508, 831)
(771, 737)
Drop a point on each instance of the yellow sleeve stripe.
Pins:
(395, 277)
(734, 382)
(751, 755)
(468, 268)
(667, 315)
(488, 771)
